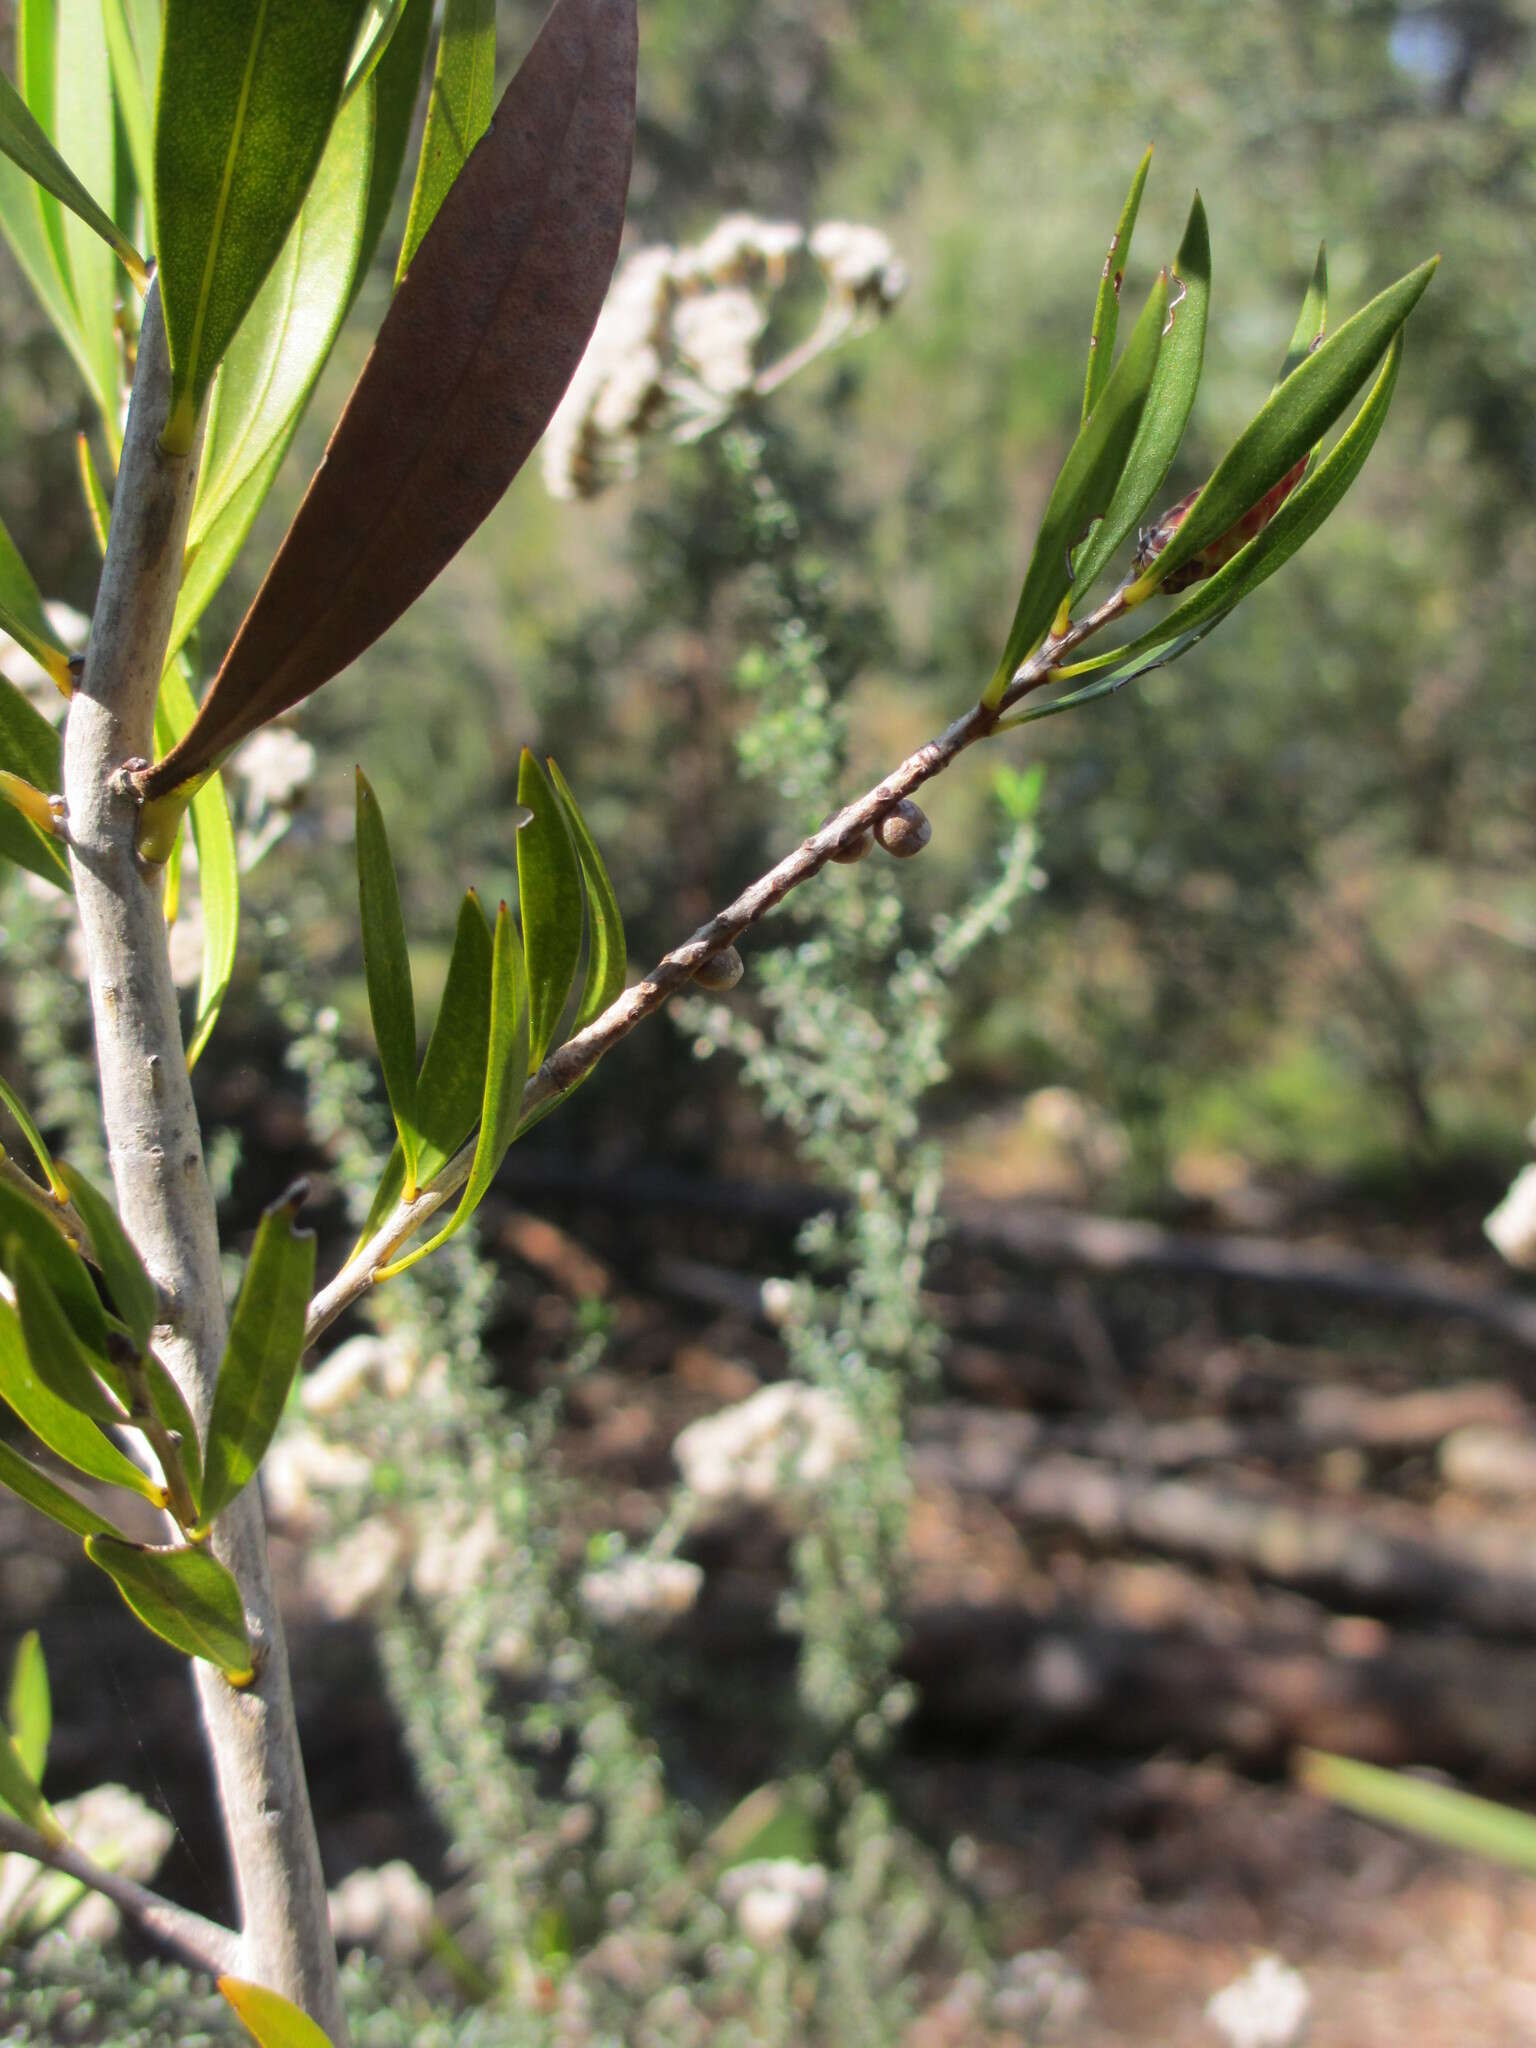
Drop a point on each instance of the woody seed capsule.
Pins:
(856, 848)
(904, 831)
(721, 971)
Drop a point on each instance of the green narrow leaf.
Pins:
(57, 1356)
(29, 745)
(37, 1228)
(270, 2019)
(273, 361)
(172, 1410)
(133, 1292)
(387, 968)
(23, 617)
(66, 1432)
(506, 1072)
(1291, 422)
(1480, 1827)
(1311, 321)
(40, 1492)
(83, 124)
(458, 113)
(397, 82)
(381, 19)
(266, 1341)
(29, 1705)
(33, 1136)
(1106, 309)
(451, 1086)
(549, 899)
(98, 506)
(1166, 412)
(206, 565)
(1084, 488)
(248, 93)
(133, 82)
(436, 427)
(1302, 513)
(19, 1792)
(184, 1595)
(606, 956)
(218, 867)
(21, 221)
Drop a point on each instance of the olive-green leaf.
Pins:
(183, 1594)
(458, 113)
(1439, 1813)
(67, 1433)
(1292, 421)
(549, 898)
(133, 49)
(506, 1072)
(271, 365)
(218, 867)
(23, 617)
(269, 2018)
(1083, 489)
(248, 92)
(29, 1705)
(387, 969)
(19, 1792)
(29, 745)
(1106, 308)
(1166, 412)
(451, 1086)
(26, 143)
(133, 1292)
(83, 123)
(606, 956)
(36, 1228)
(206, 565)
(47, 1496)
(33, 1136)
(381, 18)
(1311, 321)
(397, 82)
(474, 354)
(57, 1356)
(266, 1342)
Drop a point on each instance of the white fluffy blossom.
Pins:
(784, 1440)
(1267, 2007)
(388, 1910)
(641, 1593)
(774, 1898)
(1511, 1229)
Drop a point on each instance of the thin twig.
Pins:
(203, 1943)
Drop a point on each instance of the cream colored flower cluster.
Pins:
(678, 344)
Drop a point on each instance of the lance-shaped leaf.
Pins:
(451, 1084)
(27, 145)
(67, 1433)
(506, 1072)
(380, 20)
(1311, 320)
(23, 617)
(29, 1705)
(1106, 307)
(458, 112)
(1302, 513)
(387, 968)
(549, 897)
(474, 354)
(271, 364)
(269, 2018)
(1440, 1813)
(397, 81)
(19, 1791)
(184, 1595)
(34, 1138)
(133, 1292)
(36, 1229)
(248, 92)
(1083, 489)
(82, 122)
(48, 1497)
(1166, 412)
(606, 957)
(132, 30)
(218, 867)
(98, 506)
(1289, 425)
(57, 1356)
(266, 1341)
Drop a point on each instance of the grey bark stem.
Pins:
(163, 1193)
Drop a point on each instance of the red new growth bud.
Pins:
(1153, 539)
